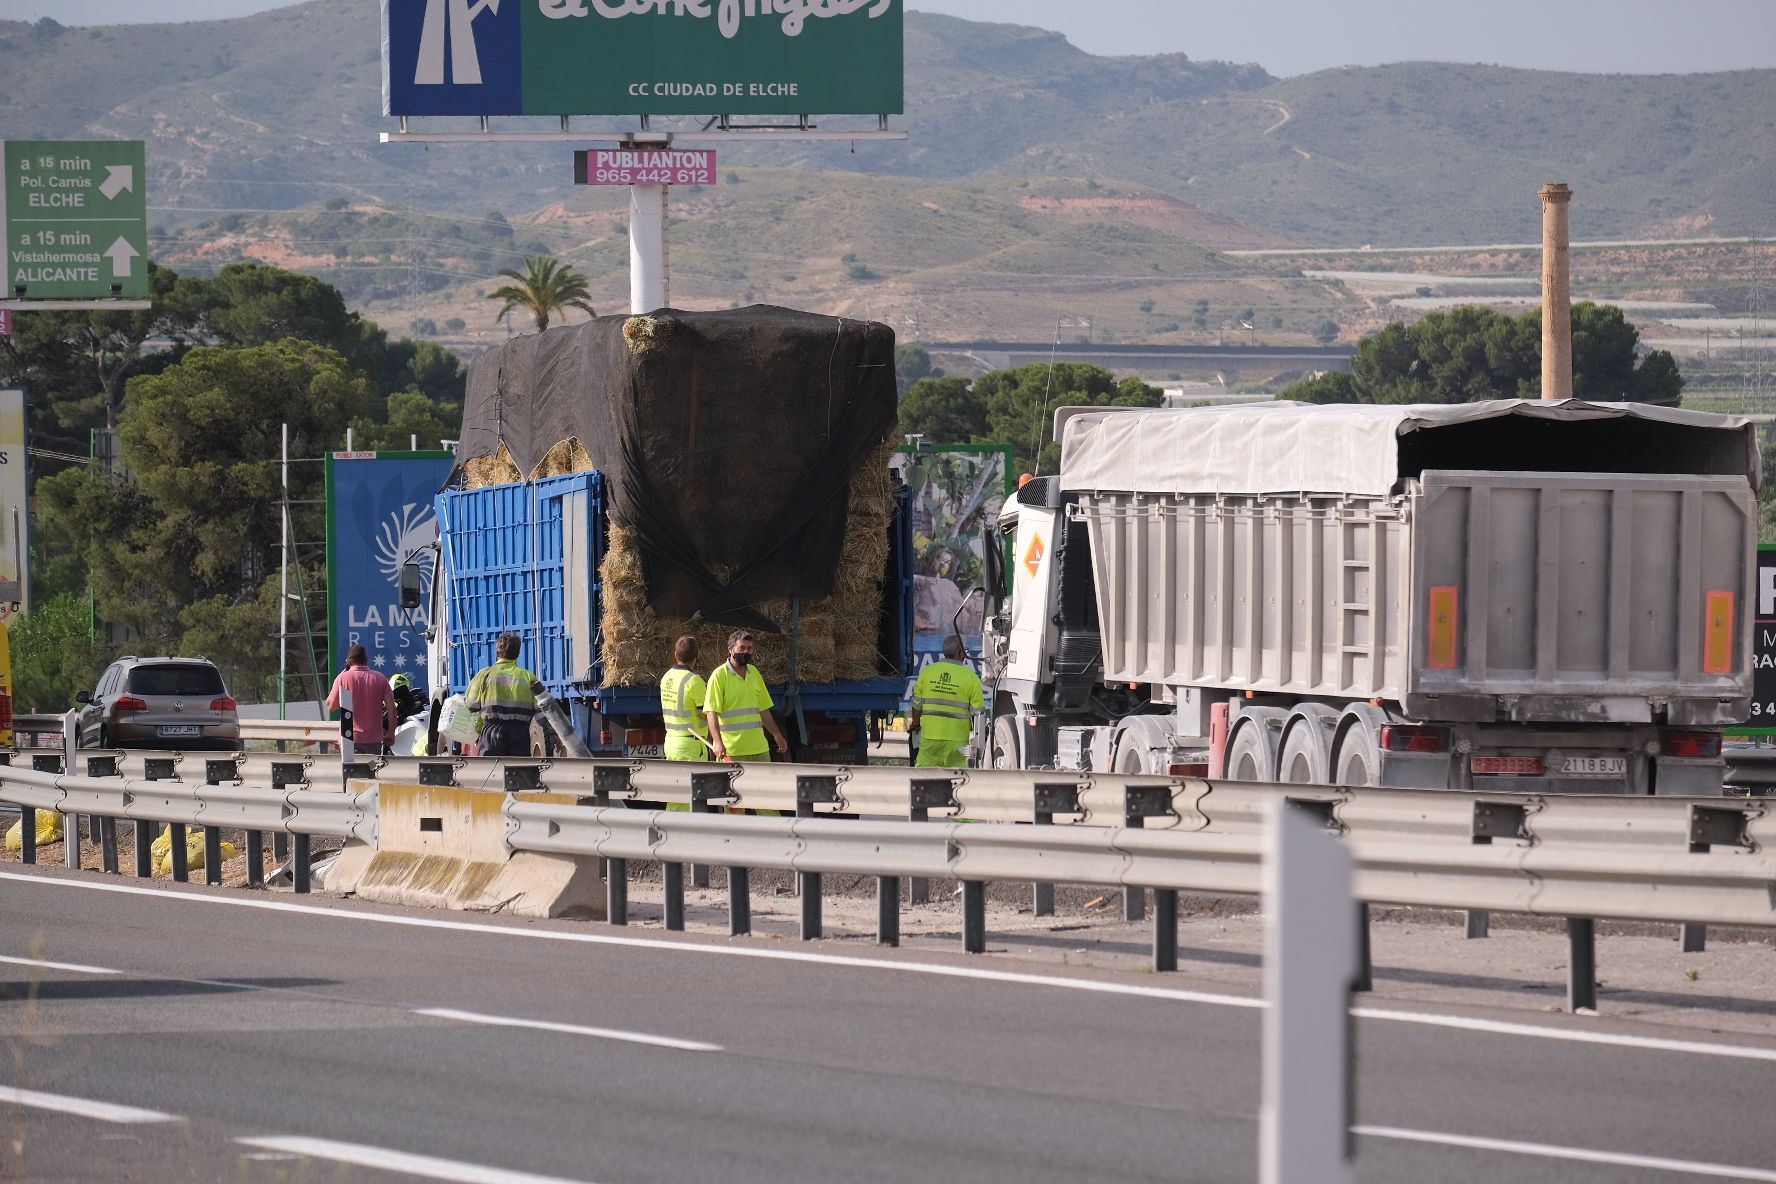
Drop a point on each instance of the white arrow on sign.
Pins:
(123, 259)
(119, 178)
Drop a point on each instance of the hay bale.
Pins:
(643, 334)
(837, 635)
(498, 469)
(567, 456)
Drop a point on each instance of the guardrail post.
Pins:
(1165, 929)
(925, 794)
(974, 917)
(1581, 971)
(704, 788)
(299, 864)
(811, 790)
(673, 875)
(616, 891)
(1051, 798)
(177, 850)
(104, 829)
(108, 845)
(213, 856)
(888, 910)
(1365, 976)
(28, 834)
(255, 859)
(1139, 803)
(739, 901)
(1479, 923)
(1695, 937)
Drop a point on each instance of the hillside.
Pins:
(282, 109)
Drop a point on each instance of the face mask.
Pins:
(741, 660)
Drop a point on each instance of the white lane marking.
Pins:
(383, 1159)
(1460, 1023)
(500, 1021)
(72, 967)
(83, 1107)
(600, 939)
(1576, 1036)
(1581, 1154)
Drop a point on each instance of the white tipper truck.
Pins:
(1510, 595)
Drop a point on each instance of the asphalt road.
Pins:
(271, 1039)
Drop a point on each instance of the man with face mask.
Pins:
(738, 707)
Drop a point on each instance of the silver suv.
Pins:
(173, 703)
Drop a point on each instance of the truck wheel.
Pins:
(1249, 755)
(1005, 743)
(1306, 757)
(1358, 760)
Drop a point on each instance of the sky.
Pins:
(1286, 37)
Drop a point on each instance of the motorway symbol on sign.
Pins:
(75, 214)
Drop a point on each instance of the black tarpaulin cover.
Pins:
(728, 439)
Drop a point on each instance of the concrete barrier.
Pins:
(445, 847)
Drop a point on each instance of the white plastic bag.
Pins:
(456, 722)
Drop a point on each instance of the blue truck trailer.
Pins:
(525, 558)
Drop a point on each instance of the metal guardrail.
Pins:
(1697, 861)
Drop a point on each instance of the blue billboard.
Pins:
(379, 515)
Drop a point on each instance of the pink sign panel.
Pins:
(644, 166)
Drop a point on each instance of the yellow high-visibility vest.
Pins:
(946, 697)
(681, 704)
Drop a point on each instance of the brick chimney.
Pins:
(1557, 336)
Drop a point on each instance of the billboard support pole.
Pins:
(284, 581)
(648, 282)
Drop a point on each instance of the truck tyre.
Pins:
(1357, 757)
(1252, 751)
(1005, 743)
(1306, 755)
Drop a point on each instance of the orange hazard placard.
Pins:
(1033, 556)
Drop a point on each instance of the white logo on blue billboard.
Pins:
(406, 536)
(453, 57)
(465, 59)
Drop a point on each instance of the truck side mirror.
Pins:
(410, 585)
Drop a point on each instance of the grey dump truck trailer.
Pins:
(1518, 595)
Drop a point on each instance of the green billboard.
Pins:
(643, 57)
(76, 219)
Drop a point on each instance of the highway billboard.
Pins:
(642, 57)
(379, 515)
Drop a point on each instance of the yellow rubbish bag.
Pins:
(49, 830)
(194, 850)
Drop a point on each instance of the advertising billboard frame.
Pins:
(1763, 683)
(683, 57)
(335, 633)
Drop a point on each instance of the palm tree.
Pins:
(546, 286)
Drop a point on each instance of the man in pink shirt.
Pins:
(372, 703)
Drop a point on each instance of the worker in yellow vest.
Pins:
(945, 699)
(504, 696)
(738, 707)
(681, 704)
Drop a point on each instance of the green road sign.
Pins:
(76, 218)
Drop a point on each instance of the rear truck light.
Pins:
(834, 735)
(223, 704)
(5, 710)
(1410, 738)
(636, 737)
(1510, 766)
(128, 703)
(1188, 769)
(1717, 634)
(1444, 619)
(604, 737)
(1692, 744)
